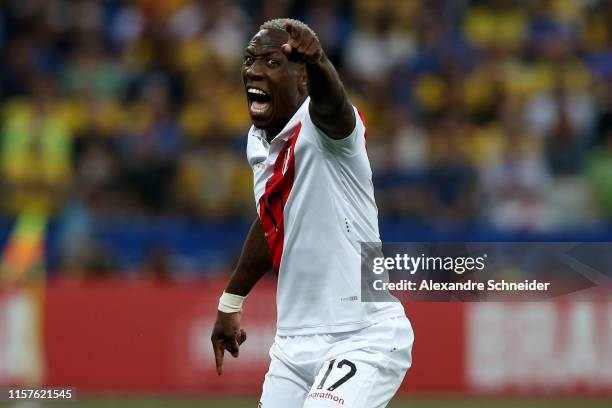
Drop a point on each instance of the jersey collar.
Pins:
(289, 128)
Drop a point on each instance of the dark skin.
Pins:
(287, 66)
(254, 262)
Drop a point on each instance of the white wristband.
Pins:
(230, 303)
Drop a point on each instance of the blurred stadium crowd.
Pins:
(129, 117)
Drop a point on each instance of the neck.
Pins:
(272, 131)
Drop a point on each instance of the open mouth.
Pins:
(259, 101)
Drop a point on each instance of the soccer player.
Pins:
(315, 201)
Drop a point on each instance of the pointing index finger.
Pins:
(219, 351)
(294, 32)
(289, 28)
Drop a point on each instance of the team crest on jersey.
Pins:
(286, 161)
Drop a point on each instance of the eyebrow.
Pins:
(250, 51)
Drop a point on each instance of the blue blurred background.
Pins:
(125, 122)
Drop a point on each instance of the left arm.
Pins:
(330, 108)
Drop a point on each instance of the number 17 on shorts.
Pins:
(341, 382)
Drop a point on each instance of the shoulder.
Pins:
(349, 145)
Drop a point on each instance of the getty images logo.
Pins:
(413, 264)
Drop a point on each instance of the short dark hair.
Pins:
(280, 23)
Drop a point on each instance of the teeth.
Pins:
(256, 91)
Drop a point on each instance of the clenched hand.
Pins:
(303, 45)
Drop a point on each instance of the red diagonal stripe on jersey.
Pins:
(365, 132)
(364, 123)
(272, 202)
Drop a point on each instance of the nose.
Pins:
(255, 70)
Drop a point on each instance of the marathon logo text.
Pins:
(327, 395)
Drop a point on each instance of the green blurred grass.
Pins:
(208, 403)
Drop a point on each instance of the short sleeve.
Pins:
(347, 146)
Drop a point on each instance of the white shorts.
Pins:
(357, 369)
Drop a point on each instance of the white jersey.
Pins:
(315, 200)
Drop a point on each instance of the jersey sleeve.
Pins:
(255, 152)
(347, 146)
